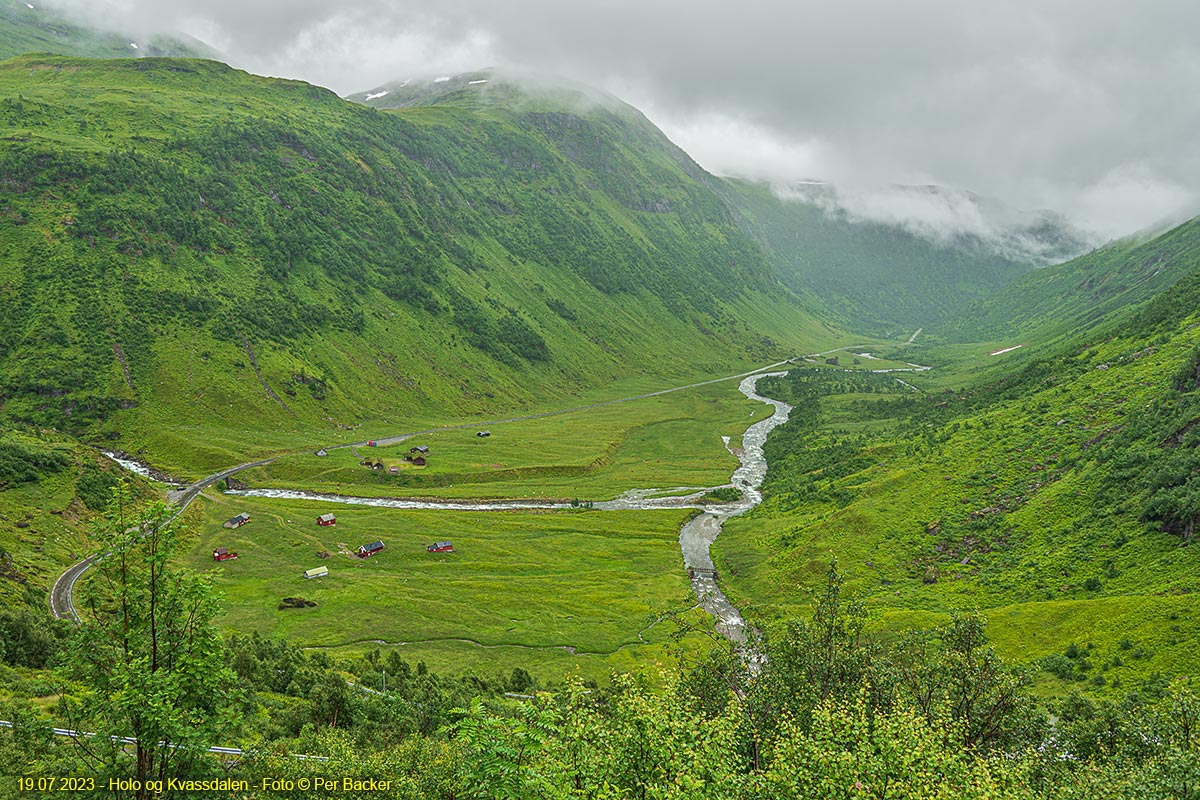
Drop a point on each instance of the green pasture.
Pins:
(550, 589)
(592, 454)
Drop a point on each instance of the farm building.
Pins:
(327, 519)
(422, 449)
(238, 521)
(419, 461)
(221, 554)
(484, 434)
(316, 572)
(441, 547)
(368, 550)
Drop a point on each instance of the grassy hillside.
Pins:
(1060, 498)
(878, 278)
(51, 489)
(1069, 297)
(202, 264)
(31, 28)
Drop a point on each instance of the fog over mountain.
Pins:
(1089, 110)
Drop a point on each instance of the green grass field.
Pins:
(553, 591)
(999, 506)
(593, 454)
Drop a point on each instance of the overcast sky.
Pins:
(1089, 108)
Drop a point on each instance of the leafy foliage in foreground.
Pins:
(832, 714)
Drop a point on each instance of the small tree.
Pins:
(953, 677)
(147, 662)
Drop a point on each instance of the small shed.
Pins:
(419, 461)
(316, 572)
(327, 519)
(238, 521)
(368, 550)
(222, 554)
(484, 434)
(441, 547)
(422, 449)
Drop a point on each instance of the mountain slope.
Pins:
(1067, 297)
(29, 28)
(882, 277)
(205, 263)
(1061, 498)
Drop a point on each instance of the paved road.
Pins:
(224, 751)
(61, 593)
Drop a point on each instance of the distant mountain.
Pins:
(207, 262)
(908, 257)
(27, 27)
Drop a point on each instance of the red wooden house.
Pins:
(327, 519)
(221, 554)
(441, 547)
(368, 550)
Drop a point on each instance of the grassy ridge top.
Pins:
(208, 263)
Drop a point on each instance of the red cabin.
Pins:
(221, 554)
(327, 519)
(441, 547)
(368, 550)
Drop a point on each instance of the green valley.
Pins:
(472, 355)
(1055, 494)
(206, 255)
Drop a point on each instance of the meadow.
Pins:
(592, 454)
(553, 592)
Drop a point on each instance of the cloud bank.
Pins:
(1086, 108)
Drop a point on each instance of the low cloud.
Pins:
(951, 217)
(1087, 108)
